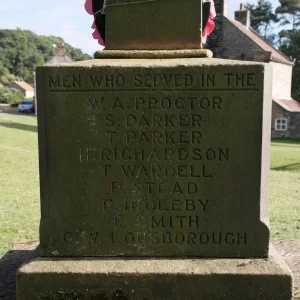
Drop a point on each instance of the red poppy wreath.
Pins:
(97, 9)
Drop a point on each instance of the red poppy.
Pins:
(96, 34)
(210, 26)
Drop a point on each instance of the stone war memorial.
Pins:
(154, 167)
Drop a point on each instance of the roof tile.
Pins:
(24, 85)
(276, 55)
(290, 105)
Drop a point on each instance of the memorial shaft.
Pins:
(154, 160)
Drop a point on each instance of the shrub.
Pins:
(10, 96)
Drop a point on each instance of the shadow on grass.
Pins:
(20, 126)
(291, 167)
(286, 142)
(286, 145)
(9, 265)
(16, 113)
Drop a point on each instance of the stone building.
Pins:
(23, 87)
(61, 57)
(235, 39)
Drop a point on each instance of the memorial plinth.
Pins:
(159, 279)
(154, 158)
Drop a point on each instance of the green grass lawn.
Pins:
(19, 180)
(19, 184)
(285, 189)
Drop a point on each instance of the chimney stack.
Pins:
(62, 49)
(243, 16)
(221, 7)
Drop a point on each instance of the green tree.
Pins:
(21, 51)
(5, 76)
(289, 12)
(290, 46)
(10, 96)
(262, 17)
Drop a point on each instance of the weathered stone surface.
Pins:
(21, 254)
(172, 279)
(141, 54)
(155, 24)
(164, 157)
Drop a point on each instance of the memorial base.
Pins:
(149, 279)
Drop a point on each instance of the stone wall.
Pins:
(226, 41)
(293, 122)
(235, 45)
(282, 80)
(215, 39)
(7, 108)
(29, 94)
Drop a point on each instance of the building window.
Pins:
(281, 124)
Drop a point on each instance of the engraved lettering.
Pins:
(178, 103)
(240, 79)
(107, 204)
(109, 120)
(107, 81)
(118, 221)
(96, 103)
(118, 104)
(87, 154)
(68, 237)
(54, 82)
(115, 186)
(92, 237)
(65, 81)
(207, 80)
(162, 80)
